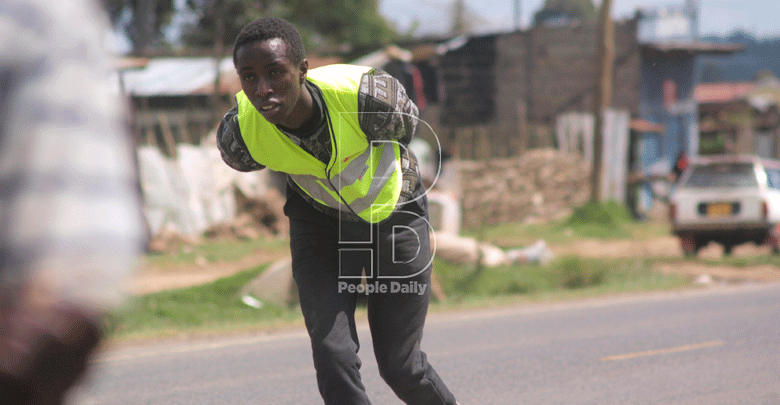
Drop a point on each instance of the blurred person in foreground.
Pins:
(355, 202)
(70, 215)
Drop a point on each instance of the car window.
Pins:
(773, 178)
(722, 175)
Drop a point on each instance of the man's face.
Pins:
(272, 82)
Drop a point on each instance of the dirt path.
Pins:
(615, 249)
(151, 279)
(670, 247)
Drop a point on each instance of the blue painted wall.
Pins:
(657, 153)
(680, 118)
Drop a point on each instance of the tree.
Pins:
(341, 22)
(229, 15)
(555, 11)
(142, 21)
(320, 22)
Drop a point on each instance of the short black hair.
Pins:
(266, 28)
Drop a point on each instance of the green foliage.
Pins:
(600, 220)
(229, 15)
(346, 21)
(577, 10)
(138, 33)
(610, 215)
(577, 273)
(320, 22)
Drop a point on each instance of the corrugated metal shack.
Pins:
(174, 100)
(503, 92)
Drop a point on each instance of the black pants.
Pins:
(328, 257)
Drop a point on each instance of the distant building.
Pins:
(173, 100)
(671, 50)
(516, 84)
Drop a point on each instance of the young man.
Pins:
(355, 203)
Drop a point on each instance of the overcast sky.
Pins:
(722, 17)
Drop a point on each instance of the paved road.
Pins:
(719, 346)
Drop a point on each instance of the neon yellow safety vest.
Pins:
(366, 177)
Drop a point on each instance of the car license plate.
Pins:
(719, 209)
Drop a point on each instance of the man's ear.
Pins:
(303, 70)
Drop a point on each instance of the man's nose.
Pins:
(263, 88)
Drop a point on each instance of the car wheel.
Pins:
(773, 239)
(690, 245)
(774, 243)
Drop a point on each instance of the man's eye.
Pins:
(275, 72)
(247, 77)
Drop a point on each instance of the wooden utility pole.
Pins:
(218, 8)
(518, 14)
(144, 26)
(459, 23)
(603, 99)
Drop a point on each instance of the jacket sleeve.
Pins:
(385, 110)
(232, 146)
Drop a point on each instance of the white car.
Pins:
(729, 200)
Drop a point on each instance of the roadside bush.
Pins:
(599, 220)
(208, 306)
(576, 273)
(610, 215)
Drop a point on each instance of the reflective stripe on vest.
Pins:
(353, 178)
(366, 177)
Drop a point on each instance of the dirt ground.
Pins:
(670, 247)
(150, 278)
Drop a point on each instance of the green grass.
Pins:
(211, 306)
(732, 261)
(569, 276)
(599, 221)
(217, 251)
(217, 306)
(744, 261)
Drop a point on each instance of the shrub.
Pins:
(576, 273)
(610, 215)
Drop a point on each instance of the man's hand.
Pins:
(43, 353)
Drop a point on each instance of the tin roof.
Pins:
(175, 76)
(641, 125)
(713, 48)
(186, 76)
(706, 93)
